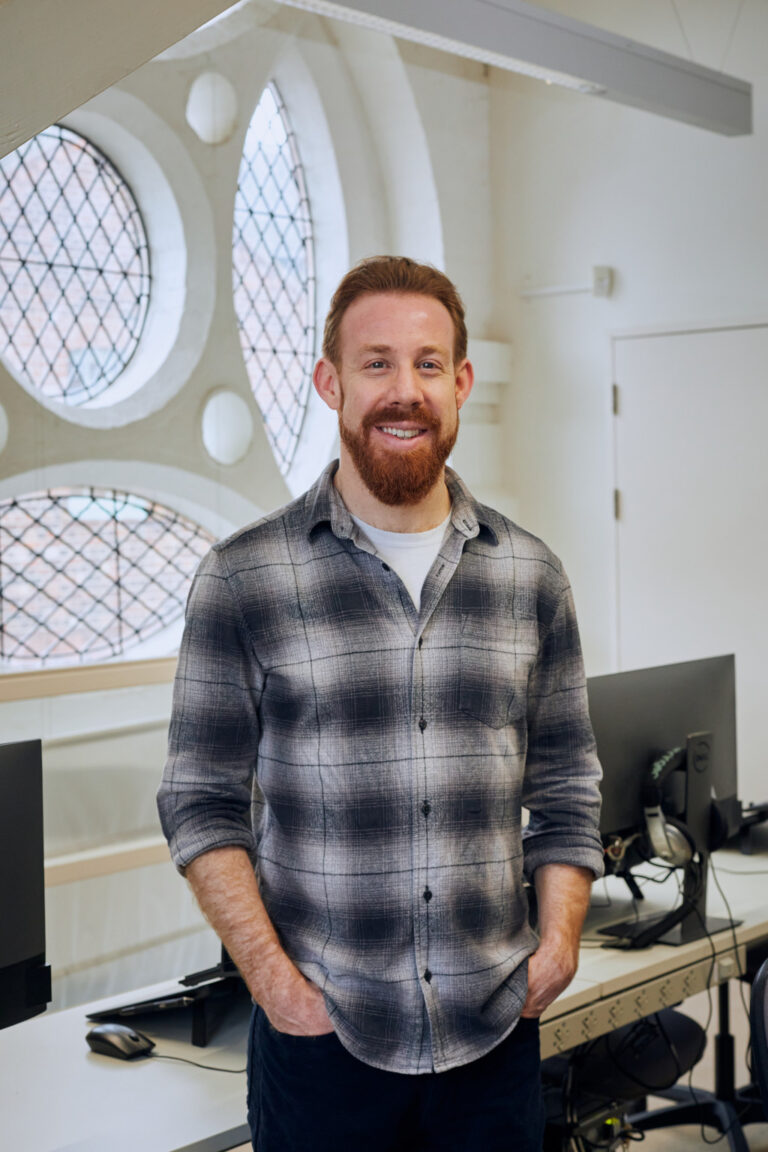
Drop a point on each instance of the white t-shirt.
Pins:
(410, 554)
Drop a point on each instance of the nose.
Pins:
(406, 385)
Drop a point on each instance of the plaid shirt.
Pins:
(374, 761)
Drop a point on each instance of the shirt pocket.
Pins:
(494, 664)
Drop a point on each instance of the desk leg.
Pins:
(725, 1068)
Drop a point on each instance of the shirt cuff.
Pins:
(191, 841)
(576, 851)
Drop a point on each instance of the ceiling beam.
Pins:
(56, 54)
(523, 37)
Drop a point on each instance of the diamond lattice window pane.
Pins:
(88, 573)
(273, 274)
(74, 267)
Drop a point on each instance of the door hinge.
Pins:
(615, 400)
(616, 504)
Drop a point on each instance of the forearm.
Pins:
(562, 896)
(226, 889)
(562, 893)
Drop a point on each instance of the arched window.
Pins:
(88, 573)
(273, 274)
(74, 267)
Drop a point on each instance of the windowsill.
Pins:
(86, 678)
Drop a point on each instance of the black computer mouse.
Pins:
(119, 1040)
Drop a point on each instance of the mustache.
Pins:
(392, 413)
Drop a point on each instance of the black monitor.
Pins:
(680, 716)
(25, 979)
(639, 714)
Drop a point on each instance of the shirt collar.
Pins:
(324, 505)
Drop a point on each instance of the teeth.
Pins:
(402, 433)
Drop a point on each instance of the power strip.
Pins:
(565, 1032)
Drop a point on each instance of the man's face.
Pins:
(399, 393)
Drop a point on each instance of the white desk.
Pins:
(613, 987)
(57, 1096)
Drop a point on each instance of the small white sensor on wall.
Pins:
(227, 427)
(212, 108)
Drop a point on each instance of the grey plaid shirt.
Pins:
(374, 761)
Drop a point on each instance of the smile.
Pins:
(401, 433)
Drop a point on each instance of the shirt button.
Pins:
(385, 567)
(427, 975)
(426, 807)
(427, 895)
(422, 723)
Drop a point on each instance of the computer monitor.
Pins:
(25, 979)
(641, 716)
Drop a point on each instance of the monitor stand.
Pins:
(208, 993)
(630, 930)
(681, 926)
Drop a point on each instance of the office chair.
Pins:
(589, 1091)
(596, 1093)
(758, 1026)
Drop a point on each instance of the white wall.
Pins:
(678, 212)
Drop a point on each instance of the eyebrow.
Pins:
(384, 349)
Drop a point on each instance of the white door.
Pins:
(692, 533)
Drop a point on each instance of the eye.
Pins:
(377, 364)
(430, 365)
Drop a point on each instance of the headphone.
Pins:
(670, 839)
(672, 842)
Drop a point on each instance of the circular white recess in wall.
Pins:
(212, 108)
(227, 427)
(3, 428)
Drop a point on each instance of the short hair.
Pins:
(393, 274)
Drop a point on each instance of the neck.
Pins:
(361, 502)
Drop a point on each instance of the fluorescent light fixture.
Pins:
(525, 38)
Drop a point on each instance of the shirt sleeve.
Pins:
(204, 800)
(562, 775)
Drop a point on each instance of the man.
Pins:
(392, 671)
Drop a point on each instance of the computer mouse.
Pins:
(119, 1040)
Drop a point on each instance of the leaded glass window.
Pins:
(88, 573)
(74, 267)
(273, 274)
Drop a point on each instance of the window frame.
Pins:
(118, 191)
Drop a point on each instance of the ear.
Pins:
(326, 381)
(465, 378)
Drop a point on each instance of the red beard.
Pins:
(396, 478)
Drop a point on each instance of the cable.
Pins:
(732, 922)
(608, 899)
(741, 973)
(194, 1063)
(666, 873)
(704, 1138)
(682, 30)
(729, 41)
(689, 894)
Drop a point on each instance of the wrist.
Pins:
(561, 945)
(277, 976)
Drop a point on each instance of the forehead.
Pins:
(397, 320)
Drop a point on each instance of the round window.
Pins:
(74, 267)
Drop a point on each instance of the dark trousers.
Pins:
(307, 1094)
